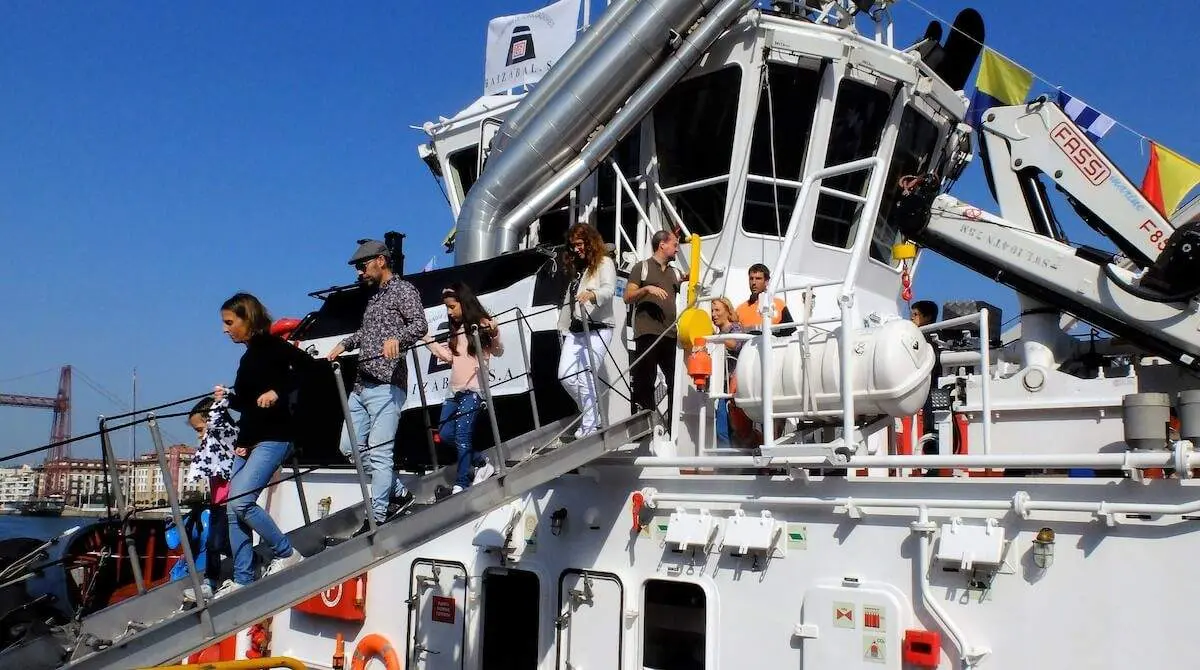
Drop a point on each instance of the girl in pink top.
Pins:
(459, 411)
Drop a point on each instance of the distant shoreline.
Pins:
(79, 512)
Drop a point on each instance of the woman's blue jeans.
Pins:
(457, 425)
(250, 476)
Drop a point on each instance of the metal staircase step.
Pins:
(169, 634)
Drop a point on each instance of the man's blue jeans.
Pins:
(250, 476)
(457, 425)
(375, 411)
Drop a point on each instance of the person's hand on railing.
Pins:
(391, 348)
(490, 327)
(335, 352)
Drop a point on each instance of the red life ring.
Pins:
(374, 646)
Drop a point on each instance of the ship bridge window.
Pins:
(674, 621)
(915, 144)
(464, 169)
(859, 116)
(554, 223)
(783, 123)
(628, 156)
(693, 135)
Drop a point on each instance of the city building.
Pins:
(83, 481)
(17, 484)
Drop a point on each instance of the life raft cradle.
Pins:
(148, 630)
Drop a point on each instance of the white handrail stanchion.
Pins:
(863, 232)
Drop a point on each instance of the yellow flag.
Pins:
(1003, 79)
(1169, 177)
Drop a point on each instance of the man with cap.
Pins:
(393, 322)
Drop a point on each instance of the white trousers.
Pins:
(574, 369)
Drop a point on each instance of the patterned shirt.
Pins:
(395, 312)
(214, 457)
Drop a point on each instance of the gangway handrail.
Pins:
(177, 516)
(349, 427)
(228, 614)
(114, 471)
(484, 378)
(245, 664)
(178, 634)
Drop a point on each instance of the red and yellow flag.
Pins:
(1169, 177)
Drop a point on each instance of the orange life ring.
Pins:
(374, 646)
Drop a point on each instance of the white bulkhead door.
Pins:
(437, 605)
(588, 628)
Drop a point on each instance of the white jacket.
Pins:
(604, 283)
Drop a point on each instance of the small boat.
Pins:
(42, 507)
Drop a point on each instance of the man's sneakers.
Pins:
(483, 472)
(456, 489)
(280, 564)
(398, 504)
(362, 529)
(396, 507)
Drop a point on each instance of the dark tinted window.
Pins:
(465, 165)
(510, 620)
(693, 133)
(915, 145)
(858, 120)
(628, 157)
(674, 626)
(786, 106)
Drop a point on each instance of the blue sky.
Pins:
(156, 158)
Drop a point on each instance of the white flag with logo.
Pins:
(523, 47)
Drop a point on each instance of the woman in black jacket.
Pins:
(267, 373)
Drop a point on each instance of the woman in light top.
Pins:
(459, 411)
(589, 297)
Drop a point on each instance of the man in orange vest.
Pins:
(747, 313)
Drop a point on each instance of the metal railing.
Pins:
(811, 186)
(177, 517)
(126, 510)
(247, 664)
(114, 472)
(484, 377)
(348, 424)
(985, 355)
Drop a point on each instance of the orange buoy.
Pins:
(699, 365)
(375, 646)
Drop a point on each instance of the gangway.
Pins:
(149, 630)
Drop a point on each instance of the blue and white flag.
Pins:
(430, 265)
(1093, 123)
